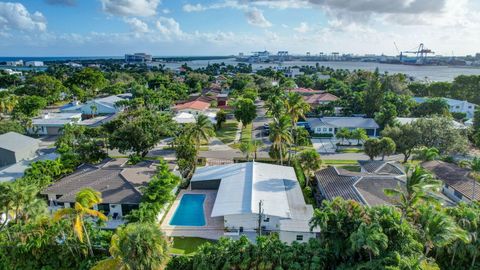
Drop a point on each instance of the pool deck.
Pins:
(212, 230)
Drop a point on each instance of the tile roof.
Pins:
(455, 177)
(302, 90)
(317, 98)
(117, 182)
(15, 142)
(365, 188)
(196, 105)
(381, 167)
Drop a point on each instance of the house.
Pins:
(34, 64)
(330, 125)
(17, 170)
(455, 105)
(138, 58)
(293, 73)
(119, 184)
(53, 123)
(15, 147)
(253, 191)
(193, 107)
(366, 187)
(99, 106)
(458, 184)
(316, 100)
(184, 117)
(306, 91)
(410, 120)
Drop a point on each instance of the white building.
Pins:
(52, 123)
(34, 64)
(138, 58)
(99, 106)
(251, 191)
(459, 106)
(15, 63)
(330, 125)
(293, 73)
(12, 72)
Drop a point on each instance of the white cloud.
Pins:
(225, 4)
(169, 28)
(137, 25)
(302, 28)
(15, 16)
(194, 8)
(140, 8)
(255, 17)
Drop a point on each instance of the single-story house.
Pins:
(193, 107)
(17, 170)
(184, 117)
(15, 147)
(99, 106)
(331, 125)
(366, 187)
(320, 99)
(458, 184)
(305, 91)
(247, 192)
(52, 123)
(120, 186)
(455, 105)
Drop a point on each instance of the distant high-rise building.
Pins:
(138, 58)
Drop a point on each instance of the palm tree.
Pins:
(438, 229)
(369, 238)
(200, 130)
(310, 161)
(84, 202)
(343, 134)
(419, 187)
(256, 145)
(295, 107)
(136, 246)
(246, 148)
(280, 134)
(275, 106)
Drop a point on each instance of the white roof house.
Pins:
(331, 124)
(242, 186)
(105, 105)
(184, 117)
(52, 123)
(454, 105)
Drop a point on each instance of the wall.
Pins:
(249, 222)
(116, 208)
(6, 157)
(290, 237)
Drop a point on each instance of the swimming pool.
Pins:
(189, 211)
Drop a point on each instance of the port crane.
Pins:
(419, 57)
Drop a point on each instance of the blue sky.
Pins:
(221, 27)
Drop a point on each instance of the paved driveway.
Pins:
(324, 145)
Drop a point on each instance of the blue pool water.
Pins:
(190, 211)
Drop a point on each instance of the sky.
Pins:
(228, 27)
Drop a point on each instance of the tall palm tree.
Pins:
(84, 202)
(247, 149)
(369, 238)
(275, 106)
(280, 134)
(419, 187)
(202, 129)
(295, 107)
(256, 145)
(137, 246)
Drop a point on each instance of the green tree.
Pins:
(280, 135)
(44, 86)
(246, 148)
(432, 106)
(370, 238)
(201, 130)
(221, 118)
(387, 147)
(419, 187)
(372, 148)
(406, 138)
(29, 106)
(310, 161)
(275, 106)
(256, 146)
(139, 246)
(245, 111)
(358, 134)
(386, 116)
(90, 80)
(84, 202)
(374, 96)
(342, 134)
(186, 154)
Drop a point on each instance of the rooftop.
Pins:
(344, 122)
(118, 182)
(317, 98)
(195, 105)
(455, 177)
(244, 185)
(14, 142)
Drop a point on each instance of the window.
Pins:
(330, 129)
(324, 129)
(127, 208)
(104, 208)
(266, 219)
(299, 237)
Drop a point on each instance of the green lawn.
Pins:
(339, 162)
(246, 133)
(350, 150)
(186, 245)
(227, 133)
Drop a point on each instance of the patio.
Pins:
(213, 228)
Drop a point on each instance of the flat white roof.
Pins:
(244, 185)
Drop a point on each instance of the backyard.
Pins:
(187, 245)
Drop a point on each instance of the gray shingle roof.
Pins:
(381, 167)
(344, 122)
(118, 183)
(454, 176)
(14, 142)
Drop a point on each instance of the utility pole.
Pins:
(260, 217)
